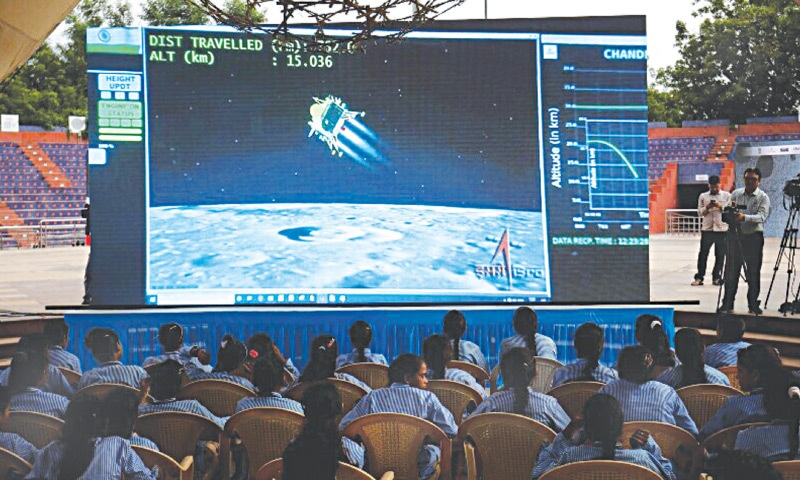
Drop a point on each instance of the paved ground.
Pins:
(32, 279)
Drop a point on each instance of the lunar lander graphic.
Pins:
(328, 118)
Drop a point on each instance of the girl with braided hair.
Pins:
(322, 365)
(360, 337)
(779, 440)
(689, 347)
(518, 367)
(597, 440)
(757, 365)
(455, 324)
(588, 344)
(437, 352)
(649, 331)
(643, 399)
(526, 324)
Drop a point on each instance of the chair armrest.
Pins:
(469, 458)
(186, 463)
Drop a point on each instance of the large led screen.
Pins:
(471, 162)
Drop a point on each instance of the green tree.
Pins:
(243, 9)
(173, 12)
(743, 62)
(662, 106)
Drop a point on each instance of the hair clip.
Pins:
(223, 343)
(253, 353)
(654, 324)
(794, 392)
(331, 342)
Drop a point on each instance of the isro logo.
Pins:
(506, 268)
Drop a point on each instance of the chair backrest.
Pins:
(376, 375)
(506, 444)
(101, 390)
(790, 470)
(545, 370)
(72, 376)
(481, 375)
(703, 400)
(730, 372)
(168, 468)
(455, 396)
(265, 432)
(274, 469)
(571, 396)
(600, 470)
(11, 461)
(176, 433)
(350, 393)
(219, 396)
(35, 427)
(676, 444)
(392, 441)
(727, 436)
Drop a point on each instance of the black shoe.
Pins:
(725, 309)
(755, 310)
(718, 281)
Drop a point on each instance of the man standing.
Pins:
(746, 241)
(712, 230)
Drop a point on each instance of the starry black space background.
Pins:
(456, 121)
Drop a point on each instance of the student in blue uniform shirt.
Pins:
(170, 336)
(360, 337)
(526, 324)
(588, 342)
(55, 382)
(57, 333)
(230, 358)
(28, 374)
(455, 324)
(741, 465)
(324, 350)
(107, 350)
(756, 364)
(120, 409)
(597, 440)
(82, 453)
(437, 351)
(268, 379)
(11, 441)
(777, 441)
(730, 330)
(319, 448)
(643, 399)
(519, 369)
(261, 345)
(165, 384)
(689, 347)
(408, 378)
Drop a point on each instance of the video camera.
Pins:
(730, 214)
(792, 187)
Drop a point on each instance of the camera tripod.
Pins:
(733, 249)
(788, 248)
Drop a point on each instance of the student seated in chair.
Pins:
(598, 440)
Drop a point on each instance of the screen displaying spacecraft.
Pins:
(472, 162)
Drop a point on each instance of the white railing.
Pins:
(19, 236)
(682, 222)
(61, 231)
(50, 232)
